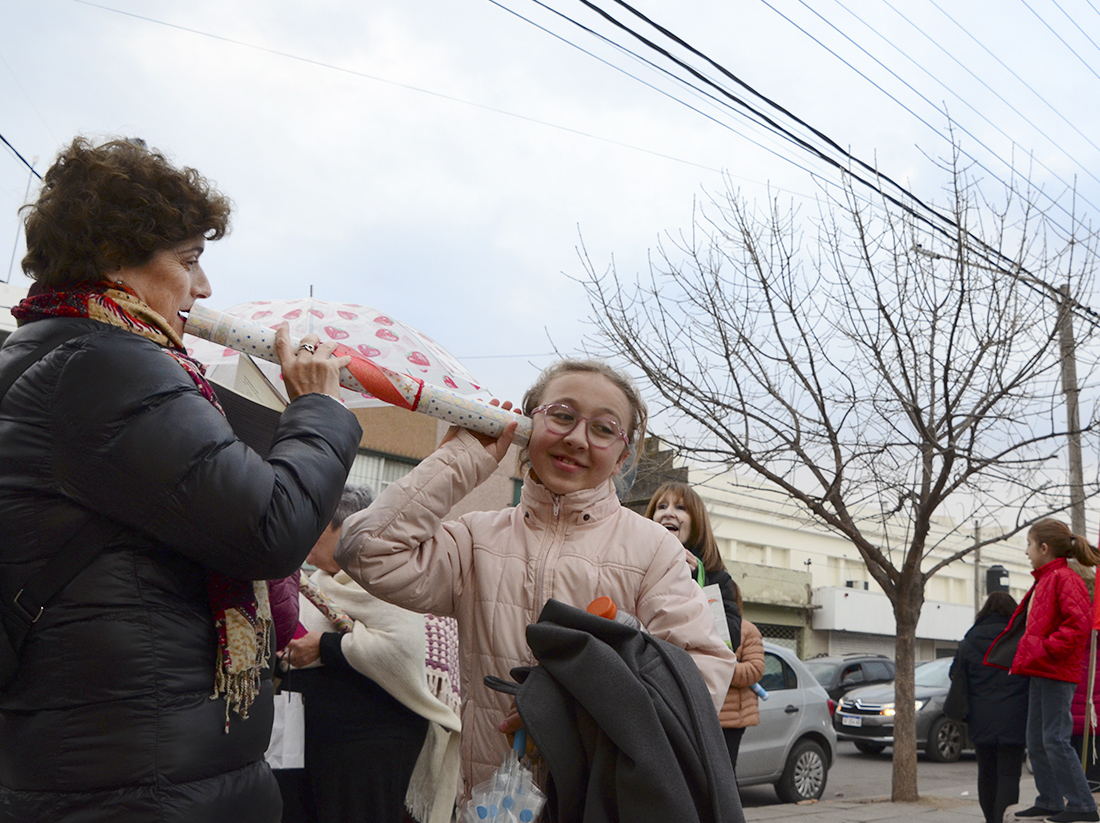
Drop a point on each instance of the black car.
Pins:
(838, 674)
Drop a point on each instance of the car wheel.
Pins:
(870, 748)
(804, 775)
(945, 740)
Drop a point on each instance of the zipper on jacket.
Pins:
(555, 541)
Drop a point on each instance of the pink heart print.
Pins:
(418, 359)
(368, 351)
(386, 334)
(347, 315)
(335, 333)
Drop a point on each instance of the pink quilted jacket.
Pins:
(1059, 617)
(494, 571)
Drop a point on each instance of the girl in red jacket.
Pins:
(1052, 652)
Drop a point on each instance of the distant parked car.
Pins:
(839, 674)
(866, 715)
(795, 744)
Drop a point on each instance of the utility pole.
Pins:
(1068, 358)
(977, 566)
(1073, 417)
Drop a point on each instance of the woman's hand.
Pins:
(496, 446)
(303, 650)
(311, 368)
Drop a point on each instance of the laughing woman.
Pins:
(143, 692)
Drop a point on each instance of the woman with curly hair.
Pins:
(143, 687)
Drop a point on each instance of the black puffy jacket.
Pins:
(110, 715)
(998, 700)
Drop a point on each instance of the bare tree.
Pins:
(887, 373)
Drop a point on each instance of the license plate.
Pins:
(851, 721)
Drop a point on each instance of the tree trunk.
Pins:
(907, 612)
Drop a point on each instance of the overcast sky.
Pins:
(441, 159)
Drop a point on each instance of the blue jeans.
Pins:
(1059, 778)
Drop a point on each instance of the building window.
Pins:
(378, 470)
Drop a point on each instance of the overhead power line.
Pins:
(22, 159)
(807, 138)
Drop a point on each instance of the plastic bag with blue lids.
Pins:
(510, 795)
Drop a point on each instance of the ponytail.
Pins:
(1086, 555)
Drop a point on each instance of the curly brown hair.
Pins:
(112, 205)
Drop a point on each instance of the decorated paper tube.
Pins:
(362, 375)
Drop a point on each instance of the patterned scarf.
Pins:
(241, 609)
(325, 606)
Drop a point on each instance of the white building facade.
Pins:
(810, 588)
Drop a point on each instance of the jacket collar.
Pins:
(1046, 568)
(584, 506)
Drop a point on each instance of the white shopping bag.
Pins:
(287, 749)
(718, 609)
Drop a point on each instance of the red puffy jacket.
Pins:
(1059, 617)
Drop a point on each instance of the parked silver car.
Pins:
(794, 745)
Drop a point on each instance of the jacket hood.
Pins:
(988, 627)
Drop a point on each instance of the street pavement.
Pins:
(944, 804)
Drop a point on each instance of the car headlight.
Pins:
(888, 708)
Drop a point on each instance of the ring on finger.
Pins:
(309, 347)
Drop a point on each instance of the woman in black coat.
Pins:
(997, 716)
(143, 691)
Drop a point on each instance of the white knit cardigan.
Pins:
(387, 644)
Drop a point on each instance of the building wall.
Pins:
(396, 431)
(764, 536)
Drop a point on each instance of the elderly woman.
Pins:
(377, 706)
(143, 691)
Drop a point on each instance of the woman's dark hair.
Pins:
(997, 603)
(1063, 542)
(701, 540)
(112, 205)
(737, 597)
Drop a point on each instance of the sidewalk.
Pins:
(947, 806)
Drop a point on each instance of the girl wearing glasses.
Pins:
(569, 539)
